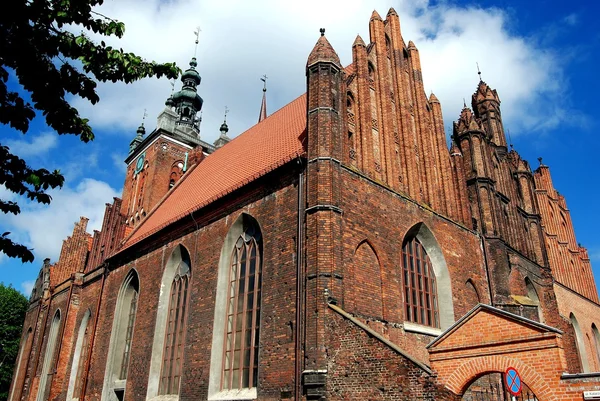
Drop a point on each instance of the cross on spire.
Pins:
(197, 33)
(264, 79)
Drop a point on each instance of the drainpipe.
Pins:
(91, 346)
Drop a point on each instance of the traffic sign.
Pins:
(513, 381)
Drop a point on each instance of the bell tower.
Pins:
(156, 162)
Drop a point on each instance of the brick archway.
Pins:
(466, 373)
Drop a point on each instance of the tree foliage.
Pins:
(13, 306)
(50, 63)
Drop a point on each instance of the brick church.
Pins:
(340, 249)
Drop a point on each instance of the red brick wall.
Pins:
(375, 214)
(587, 313)
(361, 367)
(276, 213)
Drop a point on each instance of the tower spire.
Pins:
(187, 102)
(223, 138)
(263, 106)
(139, 137)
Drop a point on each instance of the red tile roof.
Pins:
(254, 153)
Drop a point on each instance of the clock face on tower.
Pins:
(140, 163)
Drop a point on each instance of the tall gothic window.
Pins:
(119, 354)
(170, 376)
(580, 344)
(420, 289)
(42, 393)
(81, 352)
(132, 310)
(21, 370)
(240, 351)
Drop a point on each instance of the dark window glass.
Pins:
(240, 351)
(170, 376)
(419, 285)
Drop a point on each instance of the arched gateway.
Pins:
(472, 356)
(492, 387)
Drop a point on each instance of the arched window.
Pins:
(174, 333)
(169, 333)
(236, 332)
(580, 344)
(42, 393)
(371, 74)
(426, 284)
(80, 356)
(21, 370)
(596, 335)
(240, 362)
(420, 288)
(532, 294)
(115, 377)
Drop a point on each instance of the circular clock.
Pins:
(140, 163)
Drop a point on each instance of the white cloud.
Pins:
(32, 145)
(43, 227)
(240, 41)
(27, 286)
(117, 159)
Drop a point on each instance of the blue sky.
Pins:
(541, 56)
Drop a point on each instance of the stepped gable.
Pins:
(261, 149)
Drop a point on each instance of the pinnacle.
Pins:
(411, 45)
(323, 51)
(433, 98)
(392, 12)
(358, 41)
(376, 16)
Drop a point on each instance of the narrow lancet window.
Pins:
(420, 289)
(240, 359)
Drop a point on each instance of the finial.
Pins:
(264, 79)
(172, 82)
(197, 33)
(464, 103)
(479, 72)
(225, 117)
(322, 30)
(509, 139)
(540, 160)
(144, 117)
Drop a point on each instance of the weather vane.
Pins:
(172, 82)
(197, 33)
(478, 72)
(264, 79)
(226, 111)
(144, 117)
